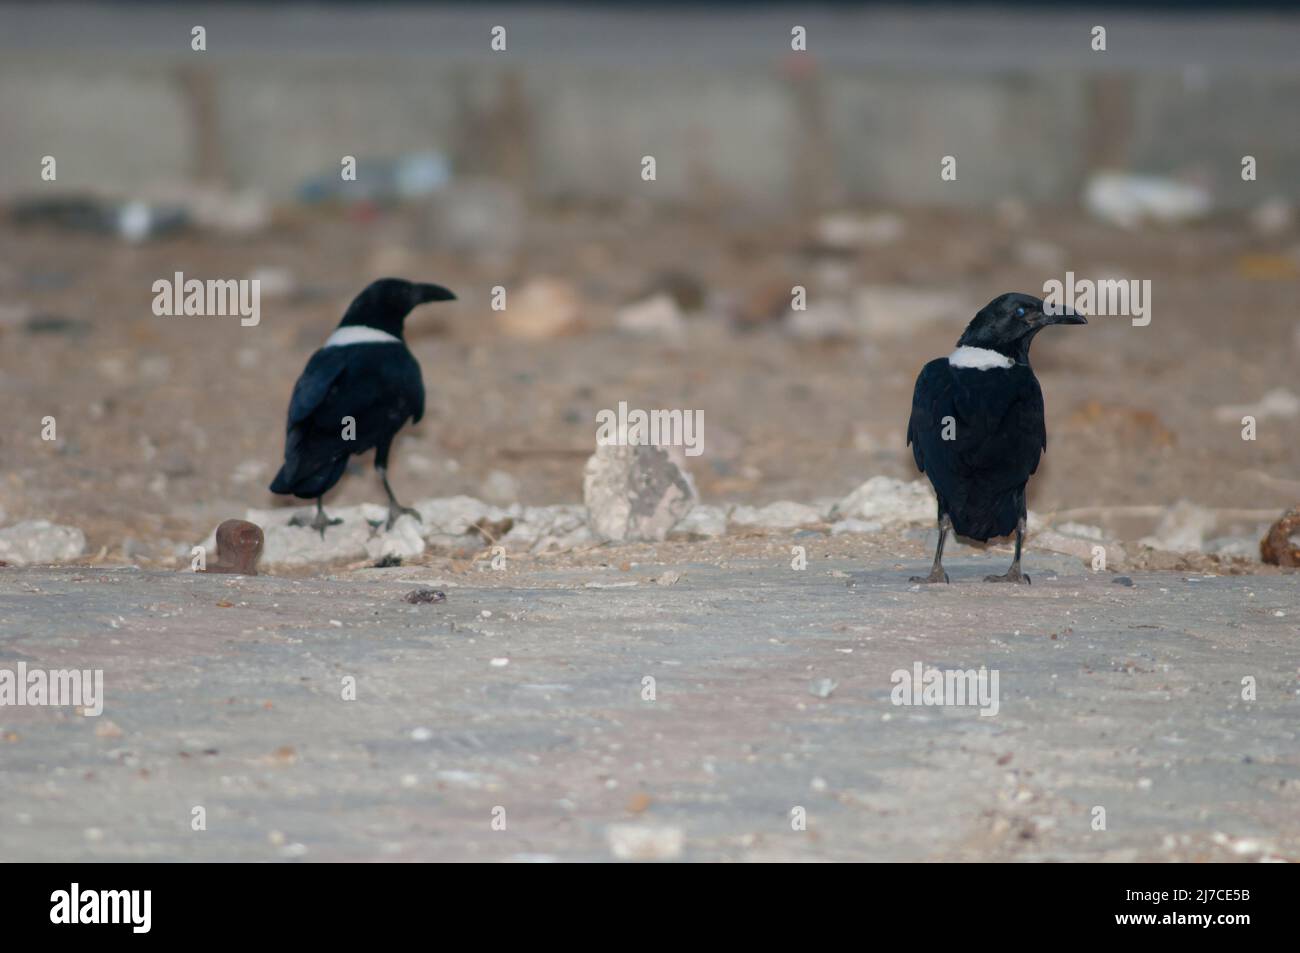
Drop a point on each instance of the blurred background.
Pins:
(523, 168)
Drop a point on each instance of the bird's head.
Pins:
(385, 303)
(1008, 323)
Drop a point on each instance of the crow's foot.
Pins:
(396, 512)
(317, 522)
(1011, 575)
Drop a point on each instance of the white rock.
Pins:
(704, 520)
(635, 492)
(557, 528)
(362, 534)
(454, 515)
(1234, 546)
(403, 541)
(855, 526)
(889, 502)
(40, 541)
(645, 841)
(657, 315)
(1078, 547)
(781, 515)
(1182, 529)
(1081, 531)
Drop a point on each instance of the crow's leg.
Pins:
(396, 510)
(1014, 574)
(936, 572)
(317, 522)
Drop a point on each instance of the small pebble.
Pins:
(822, 687)
(417, 596)
(1122, 581)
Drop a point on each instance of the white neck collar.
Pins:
(979, 358)
(360, 334)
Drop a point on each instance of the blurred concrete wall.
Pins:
(115, 93)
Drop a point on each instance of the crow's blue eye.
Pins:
(1020, 312)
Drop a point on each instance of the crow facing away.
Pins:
(363, 372)
(977, 426)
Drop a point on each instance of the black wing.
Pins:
(995, 421)
(377, 385)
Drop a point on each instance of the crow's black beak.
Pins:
(425, 293)
(1066, 316)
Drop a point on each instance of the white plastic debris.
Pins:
(1127, 200)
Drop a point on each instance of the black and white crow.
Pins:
(977, 426)
(356, 393)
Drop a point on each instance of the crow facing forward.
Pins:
(977, 426)
(356, 393)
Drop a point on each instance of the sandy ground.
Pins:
(169, 425)
(226, 693)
